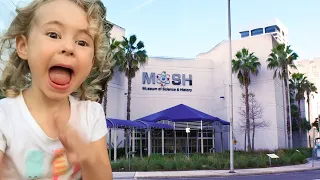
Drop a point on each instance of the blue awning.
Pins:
(153, 125)
(118, 123)
(182, 113)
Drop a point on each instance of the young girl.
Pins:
(50, 128)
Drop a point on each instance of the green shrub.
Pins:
(297, 158)
(176, 162)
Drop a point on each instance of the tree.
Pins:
(110, 55)
(316, 123)
(297, 85)
(245, 65)
(256, 114)
(129, 57)
(114, 46)
(310, 88)
(280, 58)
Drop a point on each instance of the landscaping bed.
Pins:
(214, 161)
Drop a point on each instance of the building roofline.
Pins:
(204, 53)
(113, 24)
(263, 24)
(173, 58)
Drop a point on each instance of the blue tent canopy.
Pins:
(153, 125)
(118, 123)
(182, 113)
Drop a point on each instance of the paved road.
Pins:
(307, 175)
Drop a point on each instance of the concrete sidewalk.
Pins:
(216, 173)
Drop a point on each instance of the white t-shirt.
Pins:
(30, 153)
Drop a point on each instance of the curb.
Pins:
(189, 174)
(233, 174)
(226, 174)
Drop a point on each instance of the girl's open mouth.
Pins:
(60, 76)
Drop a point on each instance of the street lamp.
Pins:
(230, 93)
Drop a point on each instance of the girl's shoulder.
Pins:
(9, 103)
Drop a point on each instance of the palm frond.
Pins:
(244, 65)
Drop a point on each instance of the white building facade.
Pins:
(202, 84)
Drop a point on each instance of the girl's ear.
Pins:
(22, 47)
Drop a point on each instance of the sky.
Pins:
(185, 28)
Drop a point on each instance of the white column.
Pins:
(115, 145)
(149, 142)
(133, 141)
(201, 139)
(162, 135)
(175, 137)
(213, 139)
(141, 143)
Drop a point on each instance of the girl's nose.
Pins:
(68, 53)
(68, 48)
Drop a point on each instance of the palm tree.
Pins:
(244, 65)
(114, 45)
(297, 85)
(129, 58)
(280, 58)
(310, 88)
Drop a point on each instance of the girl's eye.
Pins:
(82, 43)
(53, 35)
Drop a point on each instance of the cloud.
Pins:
(140, 6)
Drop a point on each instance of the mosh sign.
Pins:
(164, 78)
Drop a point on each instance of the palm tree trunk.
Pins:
(129, 97)
(287, 110)
(253, 133)
(309, 116)
(128, 113)
(300, 123)
(245, 140)
(308, 102)
(247, 115)
(105, 98)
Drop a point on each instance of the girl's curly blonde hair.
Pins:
(16, 75)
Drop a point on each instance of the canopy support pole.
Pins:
(175, 137)
(133, 142)
(201, 139)
(115, 145)
(213, 139)
(110, 141)
(149, 142)
(162, 137)
(140, 143)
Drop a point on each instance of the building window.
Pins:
(257, 32)
(244, 34)
(270, 29)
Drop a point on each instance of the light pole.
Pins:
(230, 93)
